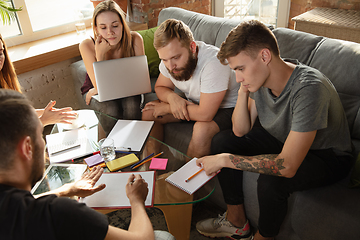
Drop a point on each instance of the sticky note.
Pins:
(158, 163)
(94, 160)
(122, 162)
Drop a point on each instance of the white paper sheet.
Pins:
(130, 134)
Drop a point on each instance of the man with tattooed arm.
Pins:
(303, 140)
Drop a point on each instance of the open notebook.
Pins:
(179, 177)
(114, 194)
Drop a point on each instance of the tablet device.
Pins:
(57, 175)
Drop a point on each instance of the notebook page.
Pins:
(178, 178)
(114, 194)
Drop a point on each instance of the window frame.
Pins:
(26, 32)
(282, 12)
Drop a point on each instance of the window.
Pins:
(44, 18)
(275, 12)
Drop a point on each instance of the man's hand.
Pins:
(178, 107)
(159, 108)
(136, 189)
(85, 185)
(212, 164)
(243, 89)
(53, 115)
(82, 188)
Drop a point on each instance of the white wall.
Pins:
(53, 82)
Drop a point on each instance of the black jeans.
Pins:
(319, 168)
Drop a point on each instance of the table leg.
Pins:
(178, 219)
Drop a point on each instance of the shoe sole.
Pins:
(219, 235)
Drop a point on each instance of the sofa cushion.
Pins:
(78, 72)
(344, 73)
(151, 54)
(295, 44)
(209, 29)
(317, 213)
(355, 175)
(209, 25)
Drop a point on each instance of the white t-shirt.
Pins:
(210, 76)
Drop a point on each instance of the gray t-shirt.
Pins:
(210, 76)
(308, 102)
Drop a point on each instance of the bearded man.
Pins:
(210, 88)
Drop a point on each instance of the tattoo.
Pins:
(265, 164)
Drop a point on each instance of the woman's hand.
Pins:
(51, 115)
(89, 95)
(101, 48)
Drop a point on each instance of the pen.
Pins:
(122, 152)
(194, 175)
(147, 160)
(141, 160)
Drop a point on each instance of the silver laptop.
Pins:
(122, 77)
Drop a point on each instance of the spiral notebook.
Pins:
(189, 169)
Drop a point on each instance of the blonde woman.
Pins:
(113, 39)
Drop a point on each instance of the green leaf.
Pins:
(7, 12)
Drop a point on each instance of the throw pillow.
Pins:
(150, 52)
(355, 175)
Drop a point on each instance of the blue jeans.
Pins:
(319, 168)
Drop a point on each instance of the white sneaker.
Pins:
(221, 227)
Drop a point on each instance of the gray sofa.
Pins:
(331, 212)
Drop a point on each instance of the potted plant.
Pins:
(7, 12)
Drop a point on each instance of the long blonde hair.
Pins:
(126, 41)
(8, 78)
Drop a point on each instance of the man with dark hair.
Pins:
(52, 216)
(210, 87)
(303, 141)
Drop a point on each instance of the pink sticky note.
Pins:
(158, 163)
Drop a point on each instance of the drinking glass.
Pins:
(107, 149)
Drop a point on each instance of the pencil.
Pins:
(147, 160)
(194, 175)
(144, 159)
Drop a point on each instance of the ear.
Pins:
(25, 148)
(193, 47)
(266, 55)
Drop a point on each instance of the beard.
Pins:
(187, 71)
(37, 169)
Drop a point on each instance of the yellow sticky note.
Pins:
(122, 162)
